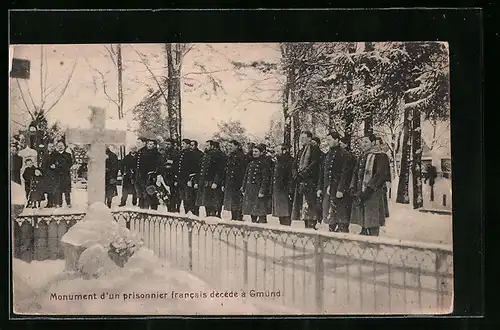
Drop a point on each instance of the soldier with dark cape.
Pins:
(210, 179)
(235, 171)
(368, 188)
(282, 187)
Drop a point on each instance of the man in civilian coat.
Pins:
(368, 188)
(210, 179)
(235, 170)
(333, 185)
(306, 172)
(49, 175)
(62, 167)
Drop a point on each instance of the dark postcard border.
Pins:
(461, 28)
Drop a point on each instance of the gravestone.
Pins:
(97, 137)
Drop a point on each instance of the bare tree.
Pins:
(114, 53)
(170, 85)
(49, 95)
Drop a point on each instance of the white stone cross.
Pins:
(97, 137)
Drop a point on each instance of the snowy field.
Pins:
(356, 275)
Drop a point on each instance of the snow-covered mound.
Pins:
(145, 285)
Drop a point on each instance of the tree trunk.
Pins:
(287, 127)
(404, 174)
(416, 165)
(368, 113)
(348, 111)
(172, 93)
(296, 120)
(120, 89)
(178, 68)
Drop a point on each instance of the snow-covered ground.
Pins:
(351, 285)
(40, 285)
(404, 222)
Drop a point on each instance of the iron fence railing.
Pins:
(304, 270)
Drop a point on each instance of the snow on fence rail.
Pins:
(303, 269)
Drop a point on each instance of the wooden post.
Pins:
(444, 199)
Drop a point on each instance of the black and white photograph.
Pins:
(287, 178)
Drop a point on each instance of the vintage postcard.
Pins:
(231, 179)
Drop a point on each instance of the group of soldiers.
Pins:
(334, 187)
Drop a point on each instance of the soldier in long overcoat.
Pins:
(367, 188)
(319, 201)
(139, 187)
(184, 165)
(282, 187)
(306, 173)
(333, 185)
(149, 165)
(16, 163)
(128, 168)
(256, 186)
(235, 171)
(191, 191)
(111, 175)
(210, 179)
(63, 164)
(344, 143)
(170, 168)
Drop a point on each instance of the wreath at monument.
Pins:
(122, 248)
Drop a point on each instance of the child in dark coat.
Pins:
(33, 184)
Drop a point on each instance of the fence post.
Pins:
(440, 261)
(245, 260)
(444, 199)
(190, 245)
(319, 273)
